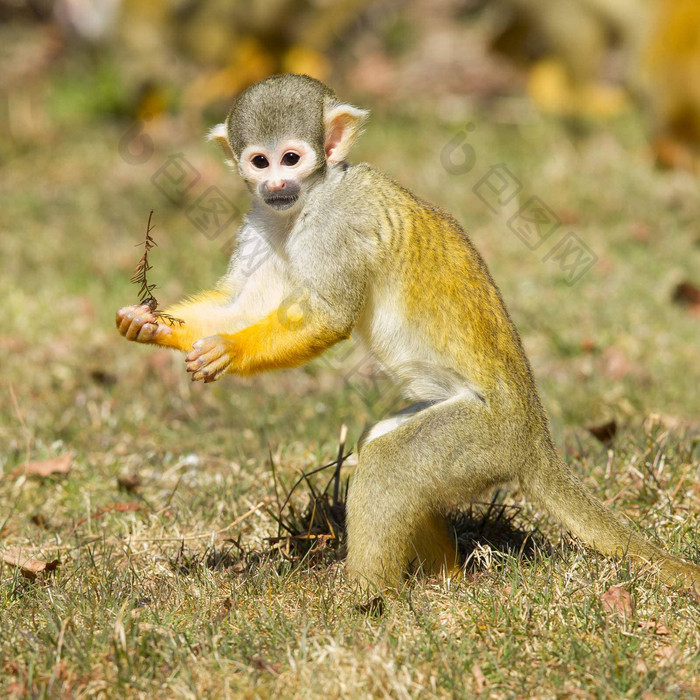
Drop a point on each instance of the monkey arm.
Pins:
(281, 340)
(318, 312)
(206, 314)
(202, 315)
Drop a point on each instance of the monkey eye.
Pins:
(290, 158)
(259, 162)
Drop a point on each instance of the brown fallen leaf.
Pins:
(39, 520)
(479, 677)
(130, 507)
(11, 344)
(640, 666)
(589, 345)
(129, 482)
(119, 508)
(260, 663)
(11, 668)
(687, 293)
(641, 232)
(605, 432)
(102, 377)
(47, 467)
(655, 627)
(224, 610)
(616, 599)
(374, 606)
(569, 216)
(666, 655)
(28, 567)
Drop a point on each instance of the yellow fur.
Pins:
(276, 343)
(201, 315)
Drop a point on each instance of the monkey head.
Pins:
(284, 133)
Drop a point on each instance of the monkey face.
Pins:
(276, 175)
(284, 133)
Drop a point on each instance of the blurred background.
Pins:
(186, 58)
(588, 111)
(563, 134)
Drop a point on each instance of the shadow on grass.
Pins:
(494, 525)
(315, 535)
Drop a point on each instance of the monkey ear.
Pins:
(342, 124)
(220, 136)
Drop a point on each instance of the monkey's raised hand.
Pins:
(209, 358)
(140, 324)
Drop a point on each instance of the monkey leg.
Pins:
(412, 469)
(391, 529)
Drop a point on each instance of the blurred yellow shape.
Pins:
(249, 63)
(552, 91)
(303, 59)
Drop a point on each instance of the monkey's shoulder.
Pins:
(379, 193)
(367, 181)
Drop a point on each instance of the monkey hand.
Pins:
(210, 358)
(140, 324)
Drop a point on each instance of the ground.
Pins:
(166, 587)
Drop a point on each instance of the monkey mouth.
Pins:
(281, 202)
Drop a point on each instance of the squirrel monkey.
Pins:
(348, 250)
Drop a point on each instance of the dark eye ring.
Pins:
(259, 162)
(290, 158)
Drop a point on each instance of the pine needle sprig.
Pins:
(140, 277)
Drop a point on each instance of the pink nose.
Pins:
(274, 185)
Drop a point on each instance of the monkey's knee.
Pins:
(392, 528)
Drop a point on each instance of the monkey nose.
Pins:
(275, 185)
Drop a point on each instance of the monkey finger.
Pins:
(147, 332)
(209, 378)
(205, 344)
(133, 327)
(135, 331)
(131, 318)
(130, 327)
(132, 331)
(206, 349)
(207, 367)
(205, 376)
(123, 324)
(132, 312)
(212, 355)
(195, 360)
(212, 370)
(124, 318)
(192, 357)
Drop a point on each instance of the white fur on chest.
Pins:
(259, 275)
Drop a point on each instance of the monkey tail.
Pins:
(562, 493)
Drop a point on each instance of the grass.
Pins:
(159, 595)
